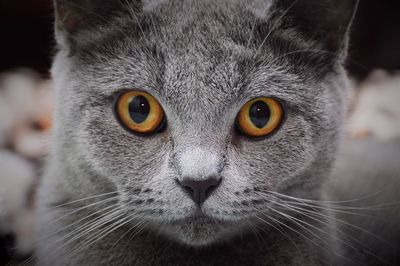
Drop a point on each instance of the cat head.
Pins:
(200, 112)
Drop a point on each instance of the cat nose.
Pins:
(200, 190)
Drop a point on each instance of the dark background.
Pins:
(26, 30)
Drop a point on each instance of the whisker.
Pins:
(142, 227)
(29, 260)
(326, 233)
(98, 235)
(325, 201)
(107, 231)
(307, 238)
(275, 25)
(341, 221)
(155, 32)
(255, 229)
(82, 219)
(299, 222)
(322, 204)
(85, 229)
(95, 225)
(279, 230)
(84, 207)
(251, 33)
(302, 212)
(332, 209)
(134, 16)
(83, 199)
(128, 232)
(346, 234)
(88, 224)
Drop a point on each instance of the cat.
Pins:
(195, 132)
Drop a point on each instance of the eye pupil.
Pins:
(139, 109)
(259, 114)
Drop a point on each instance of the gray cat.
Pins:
(196, 132)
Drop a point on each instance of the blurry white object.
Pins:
(377, 109)
(18, 88)
(25, 113)
(17, 215)
(25, 121)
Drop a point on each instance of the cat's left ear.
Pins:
(325, 21)
(76, 19)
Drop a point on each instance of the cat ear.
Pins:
(326, 21)
(76, 16)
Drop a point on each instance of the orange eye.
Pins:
(260, 117)
(140, 112)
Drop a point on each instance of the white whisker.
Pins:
(276, 25)
(83, 199)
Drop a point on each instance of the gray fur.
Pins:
(202, 60)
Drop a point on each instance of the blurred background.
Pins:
(26, 49)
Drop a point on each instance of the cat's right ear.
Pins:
(326, 22)
(76, 19)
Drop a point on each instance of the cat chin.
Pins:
(198, 238)
(200, 232)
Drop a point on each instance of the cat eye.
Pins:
(260, 117)
(140, 112)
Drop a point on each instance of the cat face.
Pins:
(199, 178)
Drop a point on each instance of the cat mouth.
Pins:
(201, 229)
(198, 217)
